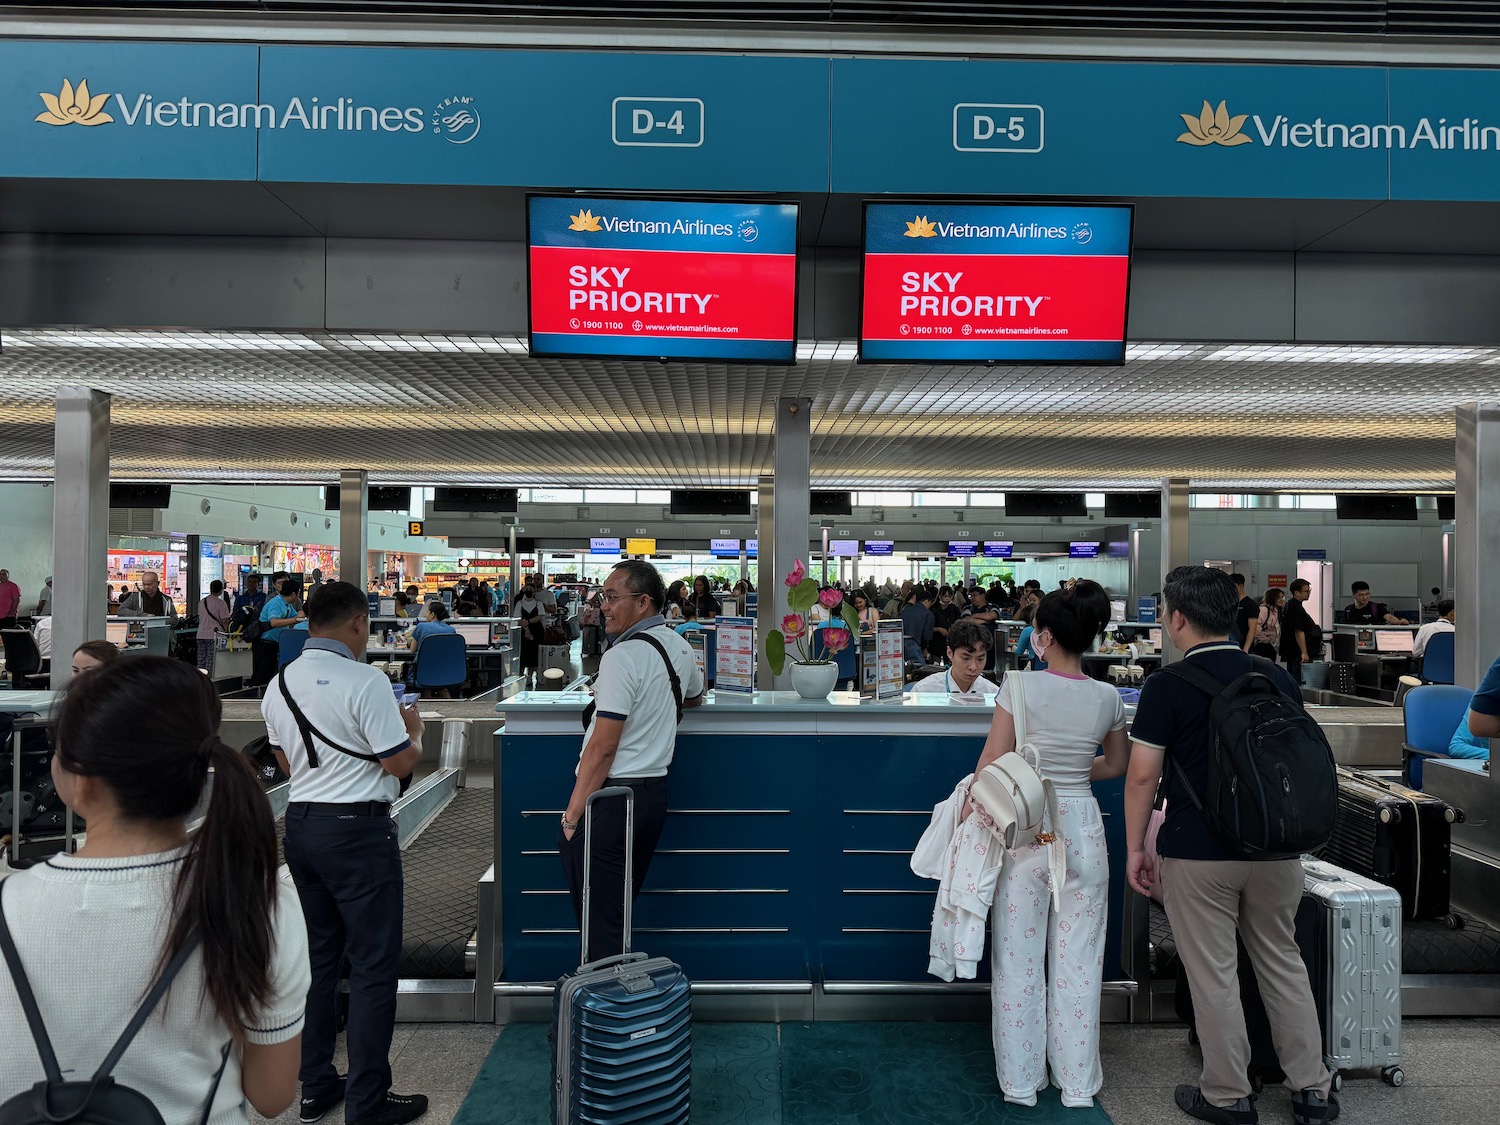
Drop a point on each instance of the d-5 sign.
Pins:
(981, 127)
(658, 122)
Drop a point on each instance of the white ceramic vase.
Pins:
(814, 681)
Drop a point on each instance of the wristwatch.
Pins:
(569, 826)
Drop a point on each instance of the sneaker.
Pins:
(1190, 1101)
(1310, 1107)
(313, 1109)
(397, 1109)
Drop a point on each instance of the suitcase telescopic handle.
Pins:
(588, 849)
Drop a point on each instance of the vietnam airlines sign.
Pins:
(1216, 126)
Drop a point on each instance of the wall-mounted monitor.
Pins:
(752, 548)
(1132, 505)
(994, 282)
(724, 548)
(1446, 508)
(604, 546)
(140, 495)
(688, 279)
(1083, 550)
(880, 547)
(962, 549)
(378, 498)
(1038, 504)
(475, 499)
(1375, 506)
(831, 504)
(999, 549)
(843, 548)
(710, 502)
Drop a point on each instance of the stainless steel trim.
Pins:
(691, 891)
(545, 851)
(686, 930)
(723, 851)
(897, 988)
(422, 804)
(489, 958)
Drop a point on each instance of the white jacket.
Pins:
(965, 858)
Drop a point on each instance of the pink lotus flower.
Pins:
(792, 625)
(836, 640)
(799, 572)
(830, 598)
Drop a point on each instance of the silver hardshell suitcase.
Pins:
(1349, 928)
(622, 1025)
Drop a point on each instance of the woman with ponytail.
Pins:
(1046, 965)
(136, 740)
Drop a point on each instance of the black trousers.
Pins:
(348, 874)
(607, 872)
(1294, 666)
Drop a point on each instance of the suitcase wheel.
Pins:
(1338, 1082)
(1453, 921)
(1393, 1076)
(1257, 1084)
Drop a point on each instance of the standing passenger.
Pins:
(44, 599)
(342, 851)
(1047, 967)
(916, 625)
(630, 741)
(531, 619)
(10, 601)
(1264, 636)
(213, 617)
(1301, 636)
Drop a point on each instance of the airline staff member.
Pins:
(630, 741)
(342, 851)
(968, 651)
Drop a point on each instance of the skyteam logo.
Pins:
(456, 119)
(1083, 234)
(748, 230)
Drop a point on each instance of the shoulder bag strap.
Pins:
(671, 670)
(309, 732)
(1018, 707)
(208, 1104)
(28, 999)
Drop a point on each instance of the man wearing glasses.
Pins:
(646, 677)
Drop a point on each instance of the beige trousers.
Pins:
(1207, 902)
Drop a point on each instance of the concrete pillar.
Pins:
(791, 506)
(354, 529)
(1476, 541)
(1174, 545)
(765, 577)
(80, 524)
(193, 580)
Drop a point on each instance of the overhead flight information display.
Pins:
(666, 279)
(994, 283)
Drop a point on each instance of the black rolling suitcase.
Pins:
(621, 1026)
(1397, 836)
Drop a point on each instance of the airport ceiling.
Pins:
(298, 407)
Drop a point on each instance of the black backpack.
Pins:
(246, 622)
(1272, 781)
(99, 1100)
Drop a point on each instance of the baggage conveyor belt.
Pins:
(442, 869)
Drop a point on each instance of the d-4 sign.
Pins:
(658, 122)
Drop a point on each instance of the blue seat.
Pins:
(289, 646)
(845, 658)
(441, 661)
(1432, 714)
(1437, 659)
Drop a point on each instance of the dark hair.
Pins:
(1298, 584)
(642, 578)
(102, 651)
(413, 589)
(977, 589)
(1356, 587)
(1075, 617)
(334, 604)
(708, 587)
(401, 600)
(439, 611)
(1237, 579)
(1445, 607)
(287, 588)
(675, 592)
(945, 589)
(1273, 597)
(859, 595)
(279, 577)
(216, 586)
(1027, 613)
(968, 633)
(154, 761)
(1205, 596)
(252, 582)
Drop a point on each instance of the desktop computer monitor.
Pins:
(117, 633)
(476, 634)
(1153, 638)
(1394, 640)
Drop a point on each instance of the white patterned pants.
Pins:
(1039, 1019)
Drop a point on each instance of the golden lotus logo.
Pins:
(1214, 127)
(922, 228)
(74, 107)
(584, 220)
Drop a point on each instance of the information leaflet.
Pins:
(1021, 283)
(661, 278)
(869, 667)
(891, 673)
(736, 671)
(698, 642)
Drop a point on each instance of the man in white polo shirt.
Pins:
(968, 650)
(645, 677)
(339, 733)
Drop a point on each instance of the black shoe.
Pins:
(1190, 1101)
(1310, 1108)
(397, 1109)
(313, 1109)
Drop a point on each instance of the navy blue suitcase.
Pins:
(621, 1026)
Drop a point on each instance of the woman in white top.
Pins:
(135, 742)
(1046, 966)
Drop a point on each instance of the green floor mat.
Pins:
(796, 1074)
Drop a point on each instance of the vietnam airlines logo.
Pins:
(584, 220)
(1214, 127)
(74, 107)
(922, 228)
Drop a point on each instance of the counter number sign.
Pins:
(658, 122)
(414, 528)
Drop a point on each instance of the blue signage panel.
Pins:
(604, 546)
(1083, 550)
(880, 547)
(752, 548)
(1103, 128)
(962, 549)
(549, 119)
(1311, 554)
(146, 111)
(724, 548)
(998, 549)
(1145, 610)
(1445, 135)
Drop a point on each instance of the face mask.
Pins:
(1039, 649)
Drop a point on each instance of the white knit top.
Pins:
(89, 932)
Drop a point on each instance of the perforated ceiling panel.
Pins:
(266, 406)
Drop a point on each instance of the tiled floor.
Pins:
(1451, 1074)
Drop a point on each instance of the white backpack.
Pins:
(1016, 801)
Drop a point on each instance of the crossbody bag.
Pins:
(672, 677)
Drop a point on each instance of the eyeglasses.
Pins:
(610, 599)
